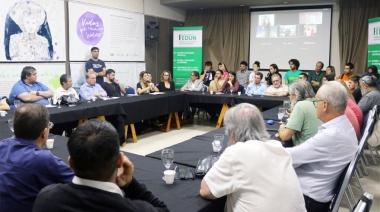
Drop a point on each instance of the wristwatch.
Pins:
(37, 93)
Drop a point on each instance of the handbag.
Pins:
(205, 164)
(70, 100)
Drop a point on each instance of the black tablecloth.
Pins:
(181, 196)
(265, 101)
(147, 106)
(189, 152)
(207, 98)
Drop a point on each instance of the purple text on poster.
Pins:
(90, 28)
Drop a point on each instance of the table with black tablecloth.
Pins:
(183, 195)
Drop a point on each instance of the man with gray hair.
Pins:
(277, 89)
(303, 122)
(242, 170)
(320, 160)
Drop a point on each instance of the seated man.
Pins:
(277, 89)
(112, 85)
(320, 160)
(303, 76)
(24, 167)
(28, 90)
(257, 87)
(65, 90)
(98, 185)
(91, 89)
(254, 172)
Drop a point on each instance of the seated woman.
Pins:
(230, 84)
(273, 69)
(145, 85)
(217, 83)
(4, 105)
(303, 122)
(194, 84)
(330, 71)
(222, 67)
(166, 83)
(371, 96)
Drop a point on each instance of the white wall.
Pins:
(148, 7)
(335, 57)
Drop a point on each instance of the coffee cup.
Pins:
(50, 143)
(211, 92)
(239, 93)
(169, 176)
(2, 113)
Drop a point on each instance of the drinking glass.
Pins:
(231, 89)
(16, 103)
(286, 105)
(10, 124)
(281, 113)
(262, 93)
(217, 145)
(59, 102)
(167, 157)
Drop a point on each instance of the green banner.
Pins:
(187, 53)
(374, 42)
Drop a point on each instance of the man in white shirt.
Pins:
(277, 89)
(320, 160)
(257, 87)
(254, 172)
(65, 89)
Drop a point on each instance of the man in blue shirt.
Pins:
(28, 90)
(91, 90)
(96, 66)
(24, 167)
(257, 87)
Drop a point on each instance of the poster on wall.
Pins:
(32, 30)
(47, 73)
(117, 33)
(374, 42)
(126, 73)
(187, 53)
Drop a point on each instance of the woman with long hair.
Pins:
(230, 84)
(145, 85)
(222, 67)
(166, 83)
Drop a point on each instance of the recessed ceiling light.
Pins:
(201, 8)
(242, 5)
(285, 2)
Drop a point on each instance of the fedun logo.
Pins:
(376, 31)
(187, 37)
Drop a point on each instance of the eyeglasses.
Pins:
(316, 101)
(50, 125)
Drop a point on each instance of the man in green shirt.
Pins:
(315, 78)
(293, 73)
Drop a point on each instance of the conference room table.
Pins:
(189, 152)
(183, 195)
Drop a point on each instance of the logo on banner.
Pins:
(376, 31)
(90, 28)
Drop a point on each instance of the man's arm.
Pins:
(205, 191)
(29, 97)
(285, 134)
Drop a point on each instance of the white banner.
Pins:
(118, 34)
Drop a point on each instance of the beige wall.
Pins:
(148, 7)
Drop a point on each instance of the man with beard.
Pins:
(242, 75)
(112, 85)
(96, 66)
(277, 89)
(315, 78)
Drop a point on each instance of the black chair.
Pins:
(364, 204)
(344, 184)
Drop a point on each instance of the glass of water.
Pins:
(167, 157)
(59, 102)
(217, 144)
(10, 124)
(16, 103)
(281, 113)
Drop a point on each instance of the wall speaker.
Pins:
(152, 30)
